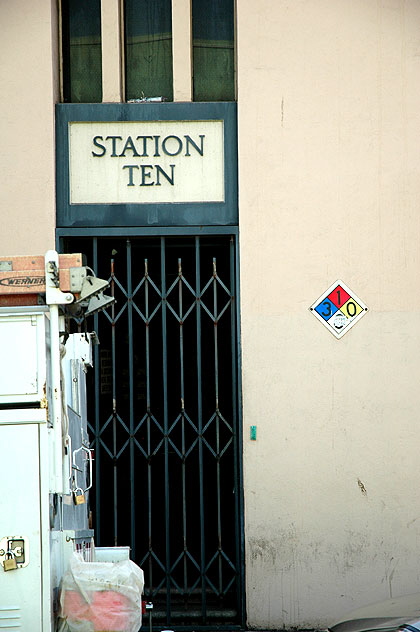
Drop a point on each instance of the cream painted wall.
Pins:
(28, 91)
(329, 162)
(329, 169)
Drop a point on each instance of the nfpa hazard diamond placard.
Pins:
(338, 309)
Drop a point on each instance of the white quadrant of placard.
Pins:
(135, 162)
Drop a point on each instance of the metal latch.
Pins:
(14, 552)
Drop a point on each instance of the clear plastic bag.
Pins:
(101, 596)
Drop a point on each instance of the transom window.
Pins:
(81, 51)
(213, 50)
(148, 49)
(147, 38)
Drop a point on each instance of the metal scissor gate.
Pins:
(165, 422)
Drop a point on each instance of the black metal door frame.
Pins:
(196, 584)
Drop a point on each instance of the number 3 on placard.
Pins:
(326, 314)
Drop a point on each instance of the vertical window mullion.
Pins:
(182, 49)
(111, 47)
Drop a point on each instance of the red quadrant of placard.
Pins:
(339, 296)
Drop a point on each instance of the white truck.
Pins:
(46, 459)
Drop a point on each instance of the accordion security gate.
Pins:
(165, 423)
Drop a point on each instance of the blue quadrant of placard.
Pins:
(326, 309)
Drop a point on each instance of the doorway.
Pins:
(165, 421)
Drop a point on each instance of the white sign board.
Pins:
(338, 308)
(134, 162)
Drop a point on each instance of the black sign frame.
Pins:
(146, 214)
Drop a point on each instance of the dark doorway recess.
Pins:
(164, 421)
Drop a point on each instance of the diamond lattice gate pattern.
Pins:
(164, 421)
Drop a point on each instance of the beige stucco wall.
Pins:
(329, 169)
(329, 187)
(29, 85)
